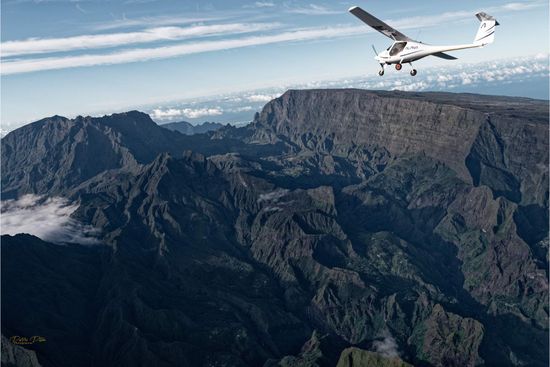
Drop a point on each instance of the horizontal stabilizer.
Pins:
(444, 56)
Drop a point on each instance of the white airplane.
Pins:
(406, 50)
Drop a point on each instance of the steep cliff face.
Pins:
(340, 227)
(332, 120)
(494, 141)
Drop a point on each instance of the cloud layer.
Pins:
(47, 218)
(489, 77)
(192, 113)
(146, 54)
(47, 45)
(33, 46)
(454, 78)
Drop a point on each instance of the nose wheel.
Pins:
(398, 66)
(381, 72)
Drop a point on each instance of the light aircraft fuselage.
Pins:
(406, 50)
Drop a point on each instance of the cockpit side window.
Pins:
(397, 48)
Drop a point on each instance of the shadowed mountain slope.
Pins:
(187, 128)
(341, 227)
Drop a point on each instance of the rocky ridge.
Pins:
(340, 227)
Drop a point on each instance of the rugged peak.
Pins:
(353, 213)
(185, 166)
(189, 158)
(57, 153)
(187, 128)
(130, 114)
(55, 120)
(56, 117)
(127, 120)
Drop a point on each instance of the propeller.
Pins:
(374, 49)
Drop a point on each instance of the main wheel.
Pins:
(381, 72)
(398, 66)
(413, 72)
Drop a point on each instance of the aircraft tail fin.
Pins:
(486, 31)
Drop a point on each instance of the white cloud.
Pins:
(387, 347)
(313, 9)
(474, 77)
(423, 21)
(485, 77)
(261, 97)
(192, 113)
(80, 9)
(273, 196)
(145, 54)
(169, 113)
(201, 112)
(261, 4)
(242, 109)
(149, 22)
(45, 45)
(49, 219)
(521, 6)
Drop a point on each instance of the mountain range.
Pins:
(340, 227)
(187, 128)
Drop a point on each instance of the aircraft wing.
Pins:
(379, 25)
(444, 56)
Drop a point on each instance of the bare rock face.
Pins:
(446, 339)
(54, 153)
(341, 227)
(491, 144)
(491, 246)
(187, 128)
(333, 120)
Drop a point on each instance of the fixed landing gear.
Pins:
(398, 67)
(413, 71)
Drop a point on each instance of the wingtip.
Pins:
(353, 8)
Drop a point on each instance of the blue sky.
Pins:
(167, 57)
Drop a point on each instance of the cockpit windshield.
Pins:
(397, 48)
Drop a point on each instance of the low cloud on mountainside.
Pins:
(387, 347)
(47, 218)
